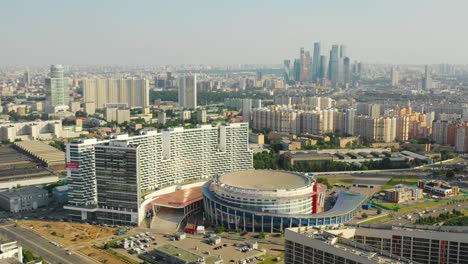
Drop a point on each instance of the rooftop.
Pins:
(180, 198)
(265, 180)
(349, 246)
(30, 190)
(184, 254)
(42, 151)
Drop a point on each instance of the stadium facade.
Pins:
(270, 201)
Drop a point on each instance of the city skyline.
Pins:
(229, 33)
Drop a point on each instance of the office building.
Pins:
(334, 66)
(377, 244)
(188, 92)
(394, 77)
(133, 92)
(427, 79)
(57, 88)
(297, 70)
(287, 71)
(323, 71)
(347, 71)
(23, 199)
(179, 155)
(316, 63)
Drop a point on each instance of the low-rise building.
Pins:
(257, 138)
(60, 195)
(171, 254)
(438, 188)
(30, 130)
(377, 244)
(11, 252)
(23, 199)
(403, 194)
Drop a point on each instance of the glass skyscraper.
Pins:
(56, 86)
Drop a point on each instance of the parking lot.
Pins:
(232, 250)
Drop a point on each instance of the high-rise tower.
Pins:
(287, 71)
(334, 65)
(427, 80)
(56, 87)
(395, 76)
(316, 62)
(188, 92)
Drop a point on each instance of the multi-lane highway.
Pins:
(40, 246)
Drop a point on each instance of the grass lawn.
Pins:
(406, 180)
(272, 260)
(376, 220)
(343, 181)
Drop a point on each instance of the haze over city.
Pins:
(229, 32)
(243, 132)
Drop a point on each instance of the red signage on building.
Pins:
(72, 165)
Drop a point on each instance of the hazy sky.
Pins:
(230, 31)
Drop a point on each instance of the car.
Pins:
(69, 253)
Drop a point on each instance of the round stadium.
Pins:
(268, 200)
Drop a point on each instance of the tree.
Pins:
(325, 182)
(450, 174)
(379, 211)
(261, 235)
(220, 229)
(364, 215)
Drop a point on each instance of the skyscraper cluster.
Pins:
(336, 68)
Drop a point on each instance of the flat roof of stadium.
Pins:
(264, 180)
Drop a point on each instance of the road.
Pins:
(41, 247)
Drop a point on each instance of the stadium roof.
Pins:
(264, 180)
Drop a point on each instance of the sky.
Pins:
(230, 31)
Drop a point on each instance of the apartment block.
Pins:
(108, 177)
(133, 92)
(30, 130)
